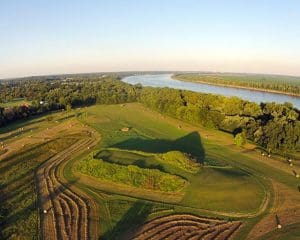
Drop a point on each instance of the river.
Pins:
(165, 80)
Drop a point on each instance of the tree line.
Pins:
(287, 84)
(47, 95)
(275, 127)
(270, 125)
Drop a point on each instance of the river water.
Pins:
(165, 80)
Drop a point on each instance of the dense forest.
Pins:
(284, 84)
(54, 94)
(272, 126)
(275, 127)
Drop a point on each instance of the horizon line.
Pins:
(150, 71)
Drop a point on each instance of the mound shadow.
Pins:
(190, 144)
(133, 218)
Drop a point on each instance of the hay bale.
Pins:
(125, 129)
(279, 226)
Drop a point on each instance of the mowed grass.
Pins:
(202, 185)
(19, 217)
(228, 189)
(19, 207)
(291, 232)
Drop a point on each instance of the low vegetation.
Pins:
(180, 160)
(175, 159)
(151, 179)
(19, 208)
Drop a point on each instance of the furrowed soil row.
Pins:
(185, 226)
(66, 213)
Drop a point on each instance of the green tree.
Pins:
(239, 139)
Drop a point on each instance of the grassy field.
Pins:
(18, 198)
(220, 188)
(291, 232)
(150, 132)
(27, 144)
(15, 102)
(229, 183)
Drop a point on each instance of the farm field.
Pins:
(228, 193)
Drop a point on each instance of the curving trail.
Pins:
(186, 226)
(65, 214)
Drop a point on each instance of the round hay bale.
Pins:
(279, 226)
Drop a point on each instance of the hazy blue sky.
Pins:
(64, 36)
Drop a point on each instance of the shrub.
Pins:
(180, 160)
(151, 179)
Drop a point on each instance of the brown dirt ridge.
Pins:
(186, 227)
(64, 212)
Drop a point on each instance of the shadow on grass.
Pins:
(142, 163)
(190, 143)
(16, 134)
(133, 218)
(20, 156)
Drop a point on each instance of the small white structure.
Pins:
(45, 211)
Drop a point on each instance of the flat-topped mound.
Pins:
(131, 175)
(175, 159)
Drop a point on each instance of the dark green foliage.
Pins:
(66, 93)
(273, 126)
(239, 139)
(131, 175)
(288, 84)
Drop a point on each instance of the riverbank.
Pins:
(238, 87)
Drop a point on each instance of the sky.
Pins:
(40, 37)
